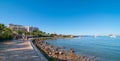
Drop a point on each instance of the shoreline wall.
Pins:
(58, 54)
(41, 56)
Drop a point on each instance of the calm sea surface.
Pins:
(103, 48)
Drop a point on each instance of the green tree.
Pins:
(35, 33)
(2, 26)
(53, 35)
(19, 32)
(38, 33)
(5, 33)
(27, 33)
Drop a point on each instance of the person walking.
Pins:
(23, 36)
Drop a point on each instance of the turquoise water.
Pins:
(103, 48)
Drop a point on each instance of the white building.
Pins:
(14, 27)
(30, 29)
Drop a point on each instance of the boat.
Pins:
(113, 36)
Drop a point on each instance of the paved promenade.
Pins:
(18, 50)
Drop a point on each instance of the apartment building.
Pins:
(14, 27)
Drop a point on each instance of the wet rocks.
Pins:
(60, 53)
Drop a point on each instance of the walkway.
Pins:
(18, 50)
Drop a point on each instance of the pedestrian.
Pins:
(23, 36)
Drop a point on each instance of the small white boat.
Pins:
(113, 36)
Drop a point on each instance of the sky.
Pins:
(77, 17)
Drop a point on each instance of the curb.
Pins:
(42, 57)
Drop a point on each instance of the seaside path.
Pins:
(19, 50)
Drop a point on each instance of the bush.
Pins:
(5, 33)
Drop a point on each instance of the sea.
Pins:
(102, 48)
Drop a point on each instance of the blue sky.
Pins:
(64, 16)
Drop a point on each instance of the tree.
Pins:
(27, 33)
(53, 35)
(38, 33)
(5, 33)
(35, 33)
(2, 26)
(19, 32)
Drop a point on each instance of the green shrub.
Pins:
(5, 33)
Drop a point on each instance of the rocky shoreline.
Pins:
(59, 53)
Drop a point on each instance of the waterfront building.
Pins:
(14, 27)
(30, 28)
